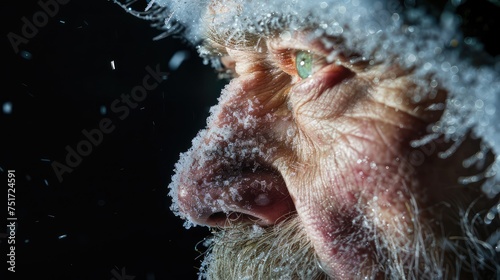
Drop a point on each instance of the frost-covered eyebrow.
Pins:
(218, 39)
(217, 42)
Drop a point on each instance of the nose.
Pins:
(225, 197)
(227, 176)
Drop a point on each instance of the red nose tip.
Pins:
(257, 196)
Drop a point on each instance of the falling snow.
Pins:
(7, 108)
(177, 59)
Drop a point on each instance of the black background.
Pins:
(112, 211)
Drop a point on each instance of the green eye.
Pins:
(304, 63)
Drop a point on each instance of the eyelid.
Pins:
(285, 58)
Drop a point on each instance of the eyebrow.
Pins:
(216, 42)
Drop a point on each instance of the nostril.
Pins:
(217, 219)
(256, 213)
(222, 219)
(217, 216)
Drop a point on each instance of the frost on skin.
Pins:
(377, 30)
(336, 148)
(226, 147)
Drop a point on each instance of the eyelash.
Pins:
(284, 59)
(287, 61)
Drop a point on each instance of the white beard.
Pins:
(285, 252)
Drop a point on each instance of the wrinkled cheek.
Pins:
(315, 99)
(340, 241)
(354, 174)
(342, 210)
(359, 177)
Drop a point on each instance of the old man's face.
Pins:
(312, 165)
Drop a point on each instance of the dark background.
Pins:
(112, 211)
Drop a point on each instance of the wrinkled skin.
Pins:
(334, 148)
